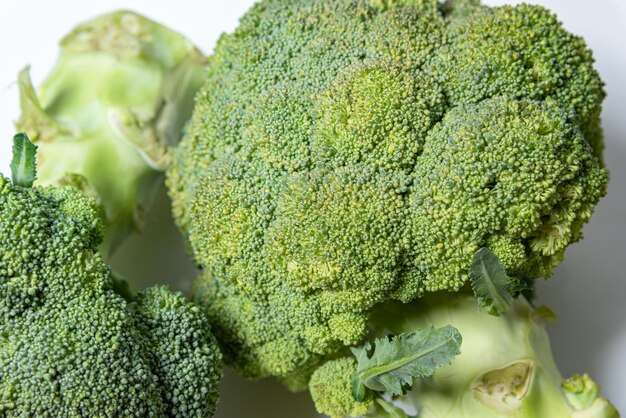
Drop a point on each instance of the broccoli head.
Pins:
(346, 153)
(69, 344)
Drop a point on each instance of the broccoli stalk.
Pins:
(505, 368)
(111, 110)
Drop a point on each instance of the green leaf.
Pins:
(493, 288)
(358, 389)
(23, 165)
(393, 363)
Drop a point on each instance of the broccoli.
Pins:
(116, 101)
(505, 368)
(344, 154)
(70, 345)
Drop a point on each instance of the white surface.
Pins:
(588, 292)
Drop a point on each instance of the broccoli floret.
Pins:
(183, 352)
(523, 52)
(69, 344)
(331, 390)
(346, 153)
(116, 101)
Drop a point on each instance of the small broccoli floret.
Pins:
(116, 101)
(184, 353)
(344, 153)
(331, 390)
(69, 344)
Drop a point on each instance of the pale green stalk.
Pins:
(110, 111)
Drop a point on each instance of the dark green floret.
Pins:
(69, 344)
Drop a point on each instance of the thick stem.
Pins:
(505, 369)
(110, 111)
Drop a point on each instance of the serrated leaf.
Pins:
(493, 288)
(393, 363)
(23, 164)
(525, 287)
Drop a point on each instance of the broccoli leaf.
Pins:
(493, 288)
(23, 168)
(396, 361)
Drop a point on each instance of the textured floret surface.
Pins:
(69, 344)
(344, 153)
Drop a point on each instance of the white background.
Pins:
(588, 291)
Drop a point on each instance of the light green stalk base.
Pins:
(113, 106)
(505, 368)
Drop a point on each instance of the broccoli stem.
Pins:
(110, 112)
(505, 369)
